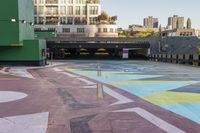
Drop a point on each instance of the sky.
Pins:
(133, 11)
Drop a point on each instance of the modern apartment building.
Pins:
(151, 22)
(68, 17)
(175, 22)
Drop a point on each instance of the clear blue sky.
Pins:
(133, 11)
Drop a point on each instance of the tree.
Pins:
(103, 17)
(146, 33)
(189, 23)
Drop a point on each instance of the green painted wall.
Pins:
(17, 43)
(31, 51)
(13, 34)
(26, 12)
(8, 30)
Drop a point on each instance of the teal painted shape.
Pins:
(190, 111)
(110, 79)
(149, 89)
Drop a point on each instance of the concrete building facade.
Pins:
(68, 17)
(178, 32)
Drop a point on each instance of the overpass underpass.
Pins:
(98, 48)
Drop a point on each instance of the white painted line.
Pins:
(121, 99)
(86, 81)
(32, 123)
(90, 87)
(3, 70)
(167, 127)
(9, 96)
(20, 72)
(70, 75)
(57, 69)
(46, 66)
(65, 73)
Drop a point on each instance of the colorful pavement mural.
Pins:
(170, 89)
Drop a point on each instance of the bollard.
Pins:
(99, 85)
(100, 90)
(51, 58)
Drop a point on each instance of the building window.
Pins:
(52, 10)
(84, 8)
(35, 10)
(52, 20)
(99, 30)
(62, 20)
(78, 10)
(52, 1)
(70, 20)
(70, 1)
(70, 10)
(66, 30)
(38, 29)
(93, 20)
(41, 1)
(111, 30)
(84, 1)
(35, 20)
(93, 10)
(63, 1)
(41, 20)
(77, 20)
(41, 10)
(52, 29)
(78, 1)
(105, 30)
(80, 30)
(62, 10)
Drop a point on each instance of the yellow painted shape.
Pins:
(173, 98)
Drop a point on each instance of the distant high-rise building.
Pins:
(151, 22)
(189, 23)
(176, 22)
(180, 23)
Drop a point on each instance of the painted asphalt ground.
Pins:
(60, 101)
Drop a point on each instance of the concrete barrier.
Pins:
(188, 59)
